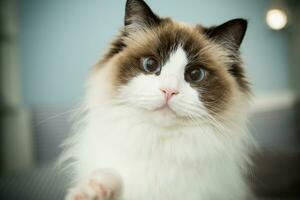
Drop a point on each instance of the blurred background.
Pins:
(48, 47)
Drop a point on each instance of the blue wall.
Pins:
(61, 39)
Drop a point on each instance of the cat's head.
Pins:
(172, 71)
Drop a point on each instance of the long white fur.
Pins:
(158, 156)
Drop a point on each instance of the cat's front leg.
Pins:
(100, 185)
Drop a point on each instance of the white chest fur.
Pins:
(195, 162)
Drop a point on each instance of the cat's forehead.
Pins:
(176, 62)
(169, 35)
(165, 39)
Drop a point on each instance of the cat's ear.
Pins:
(138, 15)
(230, 34)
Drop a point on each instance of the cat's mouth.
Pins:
(165, 109)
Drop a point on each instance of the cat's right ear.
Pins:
(138, 15)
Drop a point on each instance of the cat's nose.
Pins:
(169, 93)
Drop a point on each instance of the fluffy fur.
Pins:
(132, 145)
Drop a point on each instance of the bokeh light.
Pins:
(276, 19)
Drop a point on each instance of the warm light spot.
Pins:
(276, 19)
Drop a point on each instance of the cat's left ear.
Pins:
(230, 34)
(138, 15)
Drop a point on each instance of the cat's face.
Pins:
(175, 71)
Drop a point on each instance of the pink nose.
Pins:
(168, 92)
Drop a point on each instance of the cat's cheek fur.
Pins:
(142, 92)
(103, 78)
(188, 103)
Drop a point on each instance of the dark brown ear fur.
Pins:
(230, 34)
(139, 13)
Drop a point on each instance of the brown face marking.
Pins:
(205, 47)
(116, 47)
(215, 91)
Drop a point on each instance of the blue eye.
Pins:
(194, 74)
(150, 65)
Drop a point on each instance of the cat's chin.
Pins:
(162, 116)
(164, 119)
(165, 110)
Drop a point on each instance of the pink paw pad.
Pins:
(100, 186)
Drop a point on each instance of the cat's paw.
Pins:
(101, 185)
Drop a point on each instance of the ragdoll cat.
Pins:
(165, 114)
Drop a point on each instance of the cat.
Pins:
(165, 114)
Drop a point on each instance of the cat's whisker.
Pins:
(70, 111)
(192, 115)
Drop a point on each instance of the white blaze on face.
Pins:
(144, 91)
(172, 73)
